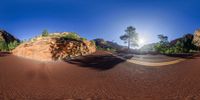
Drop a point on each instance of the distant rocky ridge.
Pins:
(7, 37)
(54, 47)
(186, 36)
(103, 44)
(148, 47)
(7, 41)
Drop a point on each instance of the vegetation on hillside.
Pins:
(8, 46)
(13, 45)
(180, 45)
(3, 46)
(64, 35)
(7, 41)
(101, 44)
(73, 35)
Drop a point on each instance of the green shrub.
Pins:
(45, 33)
(83, 39)
(161, 48)
(72, 36)
(8, 46)
(3, 46)
(13, 45)
(105, 49)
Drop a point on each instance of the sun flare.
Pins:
(141, 42)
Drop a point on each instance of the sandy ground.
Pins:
(100, 76)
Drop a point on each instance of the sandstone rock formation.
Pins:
(54, 47)
(196, 39)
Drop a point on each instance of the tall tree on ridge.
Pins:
(130, 37)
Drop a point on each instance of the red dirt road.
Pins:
(96, 77)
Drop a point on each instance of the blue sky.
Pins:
(101, 18)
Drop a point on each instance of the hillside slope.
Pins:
(7, 41)
(55, 47)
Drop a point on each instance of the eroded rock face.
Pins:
(196, 39)
(54, 48)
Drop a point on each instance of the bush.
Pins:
(8, 46)
(83, 39)
(161, 48)
(105, 49)
(13, 45)
(45, 33)
(99, 48)
(3, 46)
(72, 36)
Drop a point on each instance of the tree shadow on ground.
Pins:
(99, 62)
(3, 54)
(185, 56)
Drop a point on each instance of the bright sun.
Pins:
(141, 42)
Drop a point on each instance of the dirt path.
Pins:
(97, 77)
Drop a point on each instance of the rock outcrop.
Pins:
(54, 47)
(196, 39)
(7, 37)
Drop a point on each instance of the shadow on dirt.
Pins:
(186, 56)
(3, 54)
(99, 62)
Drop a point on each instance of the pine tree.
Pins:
(130, 37)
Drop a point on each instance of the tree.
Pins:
(179, 47)
(188, 45)
(130, 37)
(163, 39)
(163, 44)
(45, 33)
